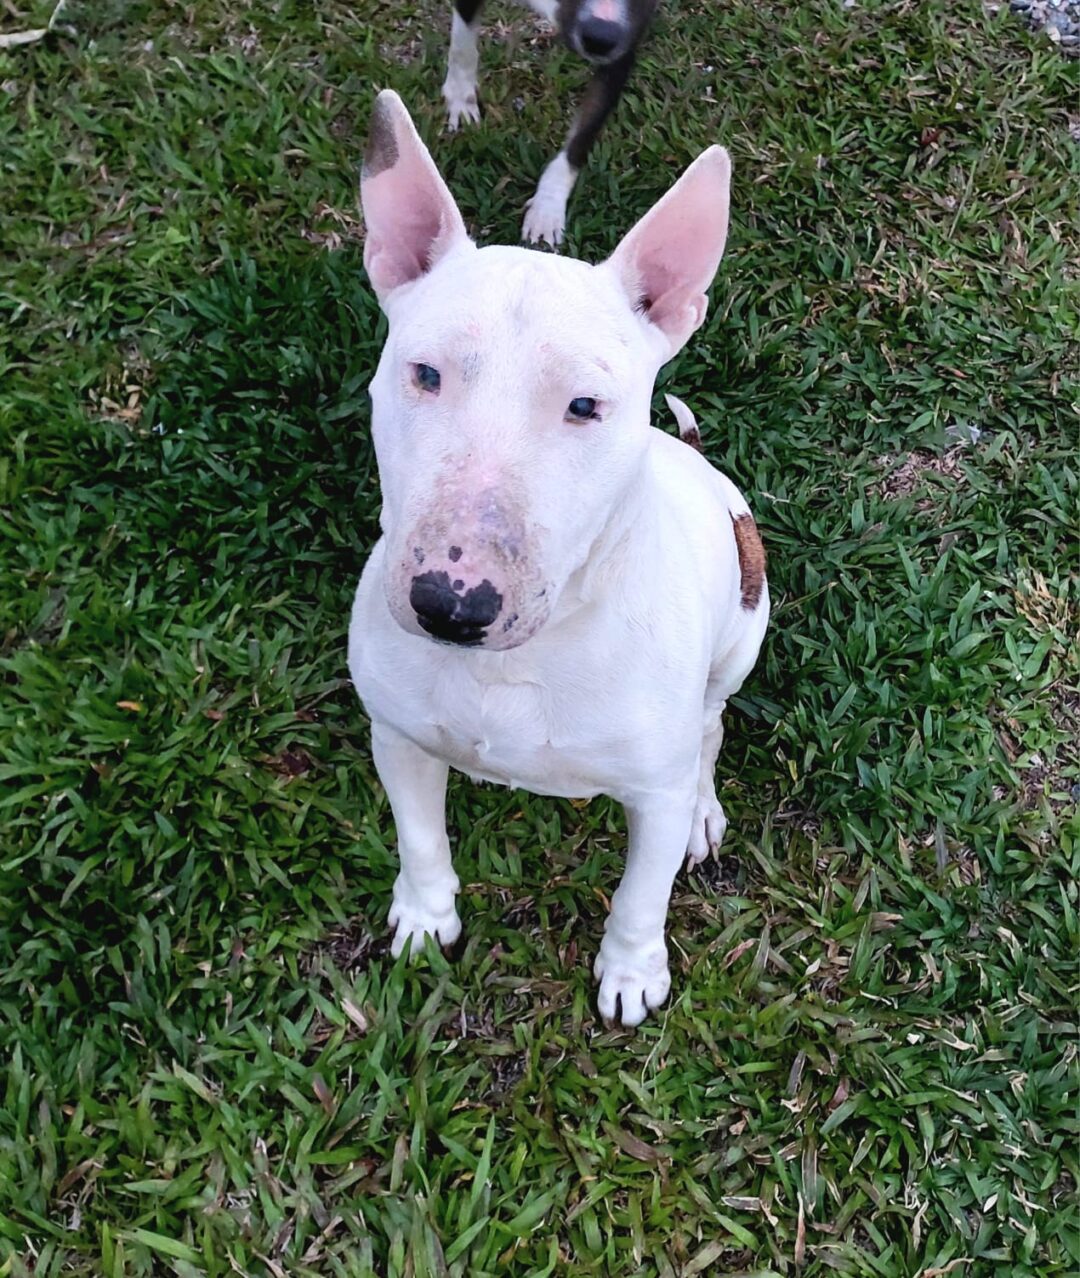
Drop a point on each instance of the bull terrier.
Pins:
(606, 34)
(563, 597)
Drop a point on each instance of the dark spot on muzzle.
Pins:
(455, 554)
(447, 614)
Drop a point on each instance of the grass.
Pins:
(210, 1063)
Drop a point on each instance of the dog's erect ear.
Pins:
(670, 257)
(411, 217)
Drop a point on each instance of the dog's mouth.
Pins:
(600, 59)
(452, 636)
(500, 637)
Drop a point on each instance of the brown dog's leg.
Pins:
(604, 91)
(545, 216)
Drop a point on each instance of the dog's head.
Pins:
(603, 31)
(510, 408)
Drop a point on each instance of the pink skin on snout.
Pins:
(475, 544)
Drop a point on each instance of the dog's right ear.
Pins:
(410, 215)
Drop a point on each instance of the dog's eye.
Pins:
(582, 409)
(427, 378)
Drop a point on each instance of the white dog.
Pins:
(563, 598)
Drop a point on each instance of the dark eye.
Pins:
(582, 409)
(427, 378)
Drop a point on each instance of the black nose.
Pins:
(453, 615)
(600, 39)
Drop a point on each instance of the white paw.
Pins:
(461, 104)
(707, 832)
(545, 219)
(545, 213)
(633, 980)
(413, 918)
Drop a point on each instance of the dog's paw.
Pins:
(461, 104)
(545, 220)
(545, 213)
(707, 831)
(633, 981)
(413, 919)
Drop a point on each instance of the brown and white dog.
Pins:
(606, 34)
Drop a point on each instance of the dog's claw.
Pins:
(633, 981)
(459, 94)
(413, 920)
(458, 110)
(707, 831)
(543, 223)
(445, 929)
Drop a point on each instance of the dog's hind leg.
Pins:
(709, 825)
(545, 216)
(415, 784)
(725, 681)
(459, 87)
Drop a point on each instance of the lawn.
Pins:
(210, 1063)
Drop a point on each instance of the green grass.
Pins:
(210, 1064)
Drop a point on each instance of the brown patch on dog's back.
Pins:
(381, 152)
(751, 559)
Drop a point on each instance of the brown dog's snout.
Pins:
(600, 39)
(447, 609)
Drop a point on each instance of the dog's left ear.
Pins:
(670, 257)
(411, 218)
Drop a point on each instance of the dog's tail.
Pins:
(687, 423)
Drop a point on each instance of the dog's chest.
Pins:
(550, 737)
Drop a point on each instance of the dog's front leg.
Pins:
(545, 214)
(459, 87)
(426, 885)
(632, 963)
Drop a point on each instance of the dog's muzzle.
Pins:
(467, 571)
(600, 40)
